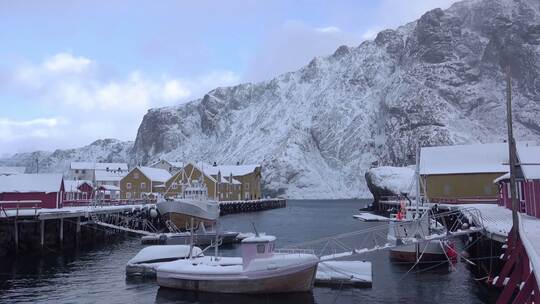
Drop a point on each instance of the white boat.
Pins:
(146, 261)
(192, 204)
(261, 269)
(412, 222)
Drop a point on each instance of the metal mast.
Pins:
(511, 155)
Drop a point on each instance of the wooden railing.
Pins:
(16, 205)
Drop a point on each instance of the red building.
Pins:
(78, 190)
(46, 188)
(527, 182)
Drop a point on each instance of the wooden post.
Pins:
(512, 156)
(42, 232)
(61, 231)
(16, 235)
(78, 231)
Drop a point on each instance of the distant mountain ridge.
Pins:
(102, 150)
(436, 81)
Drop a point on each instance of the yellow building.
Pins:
(224, 183)
(463, 173)
(143, 182)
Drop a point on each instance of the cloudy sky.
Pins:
(73, 72)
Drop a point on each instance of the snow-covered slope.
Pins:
(104, 150)
(438, 80)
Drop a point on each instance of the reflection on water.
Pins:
(167, 295)
(98, 275)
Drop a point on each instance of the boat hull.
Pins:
(299, 279)
(180, 212)
(432, 252)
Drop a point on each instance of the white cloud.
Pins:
(328, 29)
(65, 62)
(91, 105)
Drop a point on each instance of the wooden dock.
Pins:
(229, 207)
(27, 228)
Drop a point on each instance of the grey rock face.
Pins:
(436, 81)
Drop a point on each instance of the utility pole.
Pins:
(512, 156)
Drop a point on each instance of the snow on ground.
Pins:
(74, 209)
(496, 219)
(529, 230)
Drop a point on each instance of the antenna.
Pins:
(255, 229)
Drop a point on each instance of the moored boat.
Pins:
(261, 269)
(193, 204)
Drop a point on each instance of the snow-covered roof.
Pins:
(227, 170)
(259, 239)
(98, 166)
(31, 183)
(109, 188)
(73, 185)
(502, 177)
(475, 158)
(529, 155)
(155, 174)
(110, 176)
(11, 170)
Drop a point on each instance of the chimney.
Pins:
(215, 164)
(238, 163)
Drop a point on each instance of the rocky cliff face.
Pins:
(103, 150)
(436, 81)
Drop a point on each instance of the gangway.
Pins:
(464, 221)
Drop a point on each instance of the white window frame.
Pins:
(143, 185)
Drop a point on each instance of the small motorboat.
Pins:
(149, 258)
(261, 269)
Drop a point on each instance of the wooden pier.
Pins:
(27, 228)
(229, 207)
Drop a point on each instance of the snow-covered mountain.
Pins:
(438, 80)
(103, 150)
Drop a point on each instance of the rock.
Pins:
(390, 181)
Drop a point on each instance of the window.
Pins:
(136, 175)
(508, 192)
(128, 185)
(83, 171)
(76, 171)
(143, 185)
(260, 248)
(174, 186)
(247, 186)
(447, 189)
(519, 191)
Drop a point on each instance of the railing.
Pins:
(4, 206)
(294, 251)
(106, 202)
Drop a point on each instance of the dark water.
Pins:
(98, 276)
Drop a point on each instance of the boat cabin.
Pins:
(257, 247)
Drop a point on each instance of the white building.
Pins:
(87, 170)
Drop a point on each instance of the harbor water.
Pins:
(98, 275)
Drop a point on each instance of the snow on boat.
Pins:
(261, 269)
(149, 258)
(184, 238)
(353, 273)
